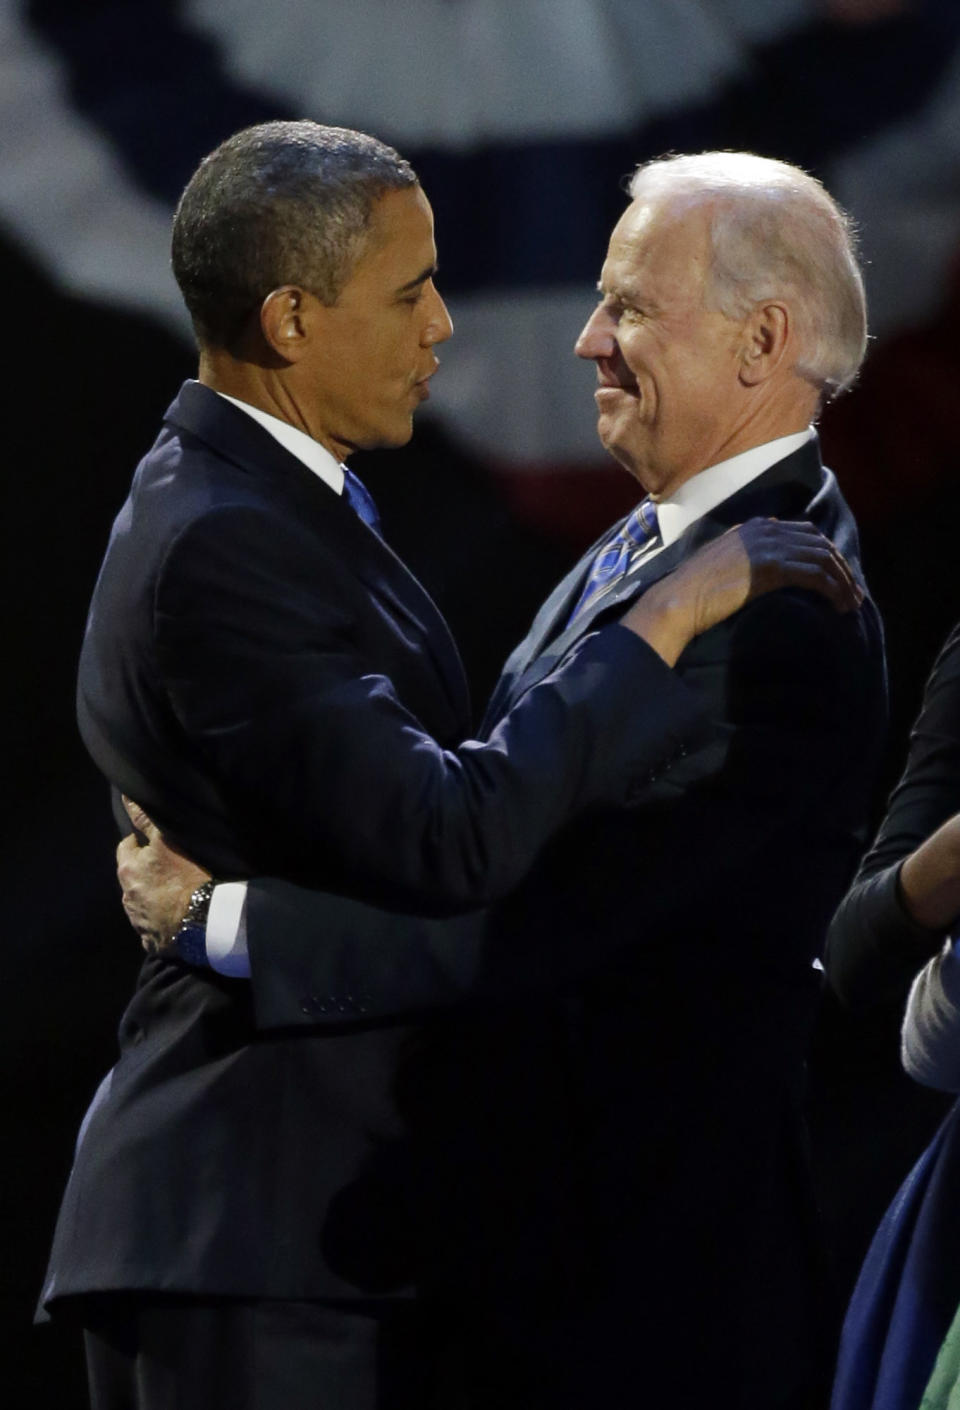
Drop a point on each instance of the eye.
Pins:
(618, 309)
(414, 297)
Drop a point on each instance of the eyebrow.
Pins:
(635, 294)
(428, 273)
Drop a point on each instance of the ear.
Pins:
(286, 316)
(766, 335)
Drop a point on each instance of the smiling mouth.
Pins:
(614, 376)
(604, 388)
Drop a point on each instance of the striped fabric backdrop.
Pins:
(521, 116)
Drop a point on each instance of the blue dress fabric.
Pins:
(909, 1287)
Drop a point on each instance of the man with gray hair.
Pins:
(614, 1201)
(240, 1228)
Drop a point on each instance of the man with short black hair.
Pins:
(615, 1203)
(265, 677)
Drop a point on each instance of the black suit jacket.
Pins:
(629, 1153)
(267, 679)
(797, 702)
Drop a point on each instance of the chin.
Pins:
(636, 469)
(402, 438)
(621, 453)
(387, 439)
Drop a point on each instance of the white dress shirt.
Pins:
(930, 1037)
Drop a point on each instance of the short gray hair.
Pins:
(775, 231)
(279, 203)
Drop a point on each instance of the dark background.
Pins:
(86, 386)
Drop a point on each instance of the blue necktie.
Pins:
(613, 559)
(360, 499)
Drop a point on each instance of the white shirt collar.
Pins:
(310, 452)
(704, 491)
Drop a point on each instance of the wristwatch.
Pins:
(190, 941)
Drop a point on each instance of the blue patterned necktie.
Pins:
(613, 560)
(360, 499)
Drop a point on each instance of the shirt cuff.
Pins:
(950, 969)
(227, 930)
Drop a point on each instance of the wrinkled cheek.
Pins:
(635, 409)
(620, 427)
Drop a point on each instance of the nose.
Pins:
(598, 336)
(439, 325)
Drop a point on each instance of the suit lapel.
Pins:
(534, 648)
(790, 489)
(237, 437)
(387, 576)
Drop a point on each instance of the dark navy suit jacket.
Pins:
(265, 677)
(628, 1151)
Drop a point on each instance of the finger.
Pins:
(798, 534)
(138, 817)
(806, 565)
(132, 917)
(125, 848)
(127, 851)
(824, 578)
(848, 577)
(779, 547)
(836, 567)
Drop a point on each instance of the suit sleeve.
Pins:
(735, 856)
(335, 783)
(322, 960)
(711, 824)
(801, 707)
(874, 948)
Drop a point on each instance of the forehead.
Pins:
(660, 248)
(400, 240)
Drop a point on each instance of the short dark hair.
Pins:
(279, 203)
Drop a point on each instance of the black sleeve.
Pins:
(322, 959)
(338, 784)
(874, 948)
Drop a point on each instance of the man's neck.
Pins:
(265, 388)
(703, 492)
